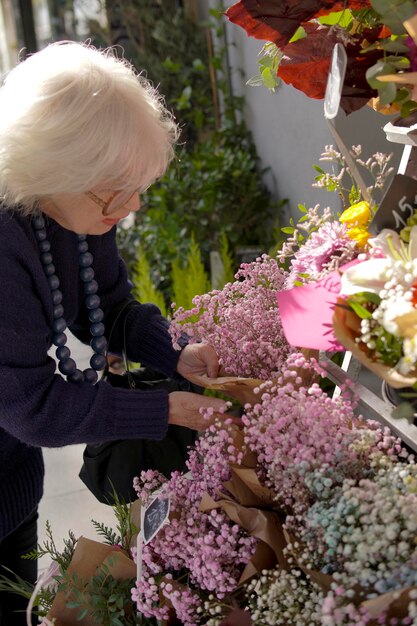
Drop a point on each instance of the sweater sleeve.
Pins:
(38, 406)
(140, 327)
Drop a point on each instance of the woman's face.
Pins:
(82, 215)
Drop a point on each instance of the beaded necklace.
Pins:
(66, 365)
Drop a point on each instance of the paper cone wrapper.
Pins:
(346, 325)
(241, 389)
(394, 604)
(264, 525)
(88, 557)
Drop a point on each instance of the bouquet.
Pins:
(376, 317)
(241, 321)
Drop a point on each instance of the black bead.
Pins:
(46, 258)
(92, 302)
(44, 246)
(99, 344)
(53, 282)
(82, 246)
(40, 235)
(96, 315)
(59, 339)
(90, 375)
(38, 222)
(59, 325)
(49, 269)
(97, 330)
(91, 287)
(86, 274)
(77, 377)
(58, 311)
(82, 237)
(67, 367)
(56, 296)
(98, 362)
(62, 353)
(85, 259)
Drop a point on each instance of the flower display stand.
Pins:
(370, 403)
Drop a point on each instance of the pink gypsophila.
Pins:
(241, 321)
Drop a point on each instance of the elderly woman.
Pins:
(81, 135)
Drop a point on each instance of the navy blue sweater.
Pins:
(39, 407)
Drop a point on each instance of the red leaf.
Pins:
(306, 65)
(277, 20)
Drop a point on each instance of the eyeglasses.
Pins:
(117, 200)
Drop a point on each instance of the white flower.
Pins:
(373, 274)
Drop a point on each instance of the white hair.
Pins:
(73, 118)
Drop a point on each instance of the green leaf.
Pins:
(341, 18)
(389, 45)
(300, 33)
(319, 169)
(82, 614)
(408, 107)
(394, 13)
(360, 310)
(269, 78)
(379, 69)
(387, 93)
(288, 230)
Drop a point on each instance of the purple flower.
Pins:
(324, 251)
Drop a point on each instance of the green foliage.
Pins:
(167, 41)
(227, 259)
(125, 528)
(269, 60)
(104, 599)
(63, 558)
(189, 278)
(394, 13)
(144, 288)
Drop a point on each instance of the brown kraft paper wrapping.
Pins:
(346, 325)
(88, 556)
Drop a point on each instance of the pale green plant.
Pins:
(189, 278)
(144, 288)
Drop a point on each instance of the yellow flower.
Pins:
(360, 235)
(356, 215)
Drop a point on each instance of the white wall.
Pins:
(290, 131)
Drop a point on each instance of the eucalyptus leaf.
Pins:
(379, 69)
(394, 13)
(387, 93)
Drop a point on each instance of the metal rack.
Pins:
(370, 405)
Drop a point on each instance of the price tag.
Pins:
(153, 517)
(398, 204)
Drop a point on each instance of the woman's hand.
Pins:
(184, 410)
(198, 359)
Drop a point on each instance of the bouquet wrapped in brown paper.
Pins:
(90, 559)
(347, 329)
